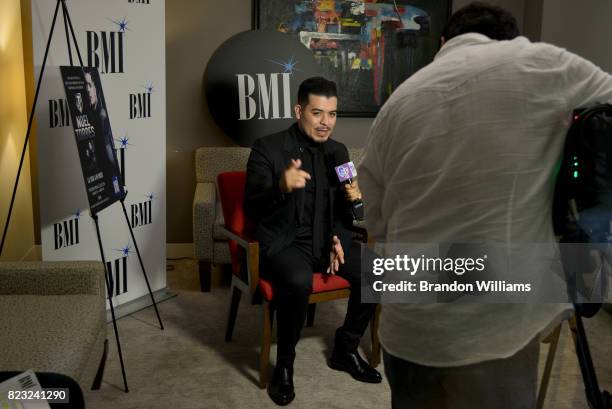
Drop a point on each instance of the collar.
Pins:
(463, 40)
(297, 138)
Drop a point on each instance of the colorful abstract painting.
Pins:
(367, 47)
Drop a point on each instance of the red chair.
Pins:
(243, 249)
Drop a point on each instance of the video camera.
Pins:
(582, 219)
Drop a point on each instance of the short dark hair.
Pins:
(479, 17)
(316, 86)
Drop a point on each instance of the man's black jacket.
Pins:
(275, 213)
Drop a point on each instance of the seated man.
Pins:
(302, 217)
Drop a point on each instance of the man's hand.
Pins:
(293, 177)
(352, 191)
(336, 256)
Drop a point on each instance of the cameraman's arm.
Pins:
(373, 190)
(586, 83)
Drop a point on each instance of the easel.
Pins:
(596, 397)
(94, 215)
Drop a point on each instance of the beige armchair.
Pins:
(53, 319)
(209, 244)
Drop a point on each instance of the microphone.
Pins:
(346, 172)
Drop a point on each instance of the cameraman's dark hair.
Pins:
(478, 17)
(316, 86)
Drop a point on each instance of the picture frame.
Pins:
(367, 47)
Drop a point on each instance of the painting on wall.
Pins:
(367, 47)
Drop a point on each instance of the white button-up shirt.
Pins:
(465, 151)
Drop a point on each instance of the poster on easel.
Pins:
(123, 102)
(94, 138)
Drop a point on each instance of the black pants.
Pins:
(291, 271)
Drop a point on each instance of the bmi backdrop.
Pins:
(125, 40)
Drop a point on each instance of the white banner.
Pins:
(125, 41)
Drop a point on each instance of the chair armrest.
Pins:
(204, 215)
(52, 278)
(251, 248)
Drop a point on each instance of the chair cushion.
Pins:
(320, 283)
(53, 333)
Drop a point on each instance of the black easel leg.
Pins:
(110, 300)
(144, 273)
(25, 143)
(76, 45)
(64, 13)
(122, 155)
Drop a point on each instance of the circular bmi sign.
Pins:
(251, 83)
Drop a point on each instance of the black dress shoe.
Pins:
(280, 388)
(352, 363)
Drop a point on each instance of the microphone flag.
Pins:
(346, 171)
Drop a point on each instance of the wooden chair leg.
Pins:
(375, 354)
(553, 339)
(100, 373)
(266, 340)
(233, 312)
(310, 316)
(204, 270)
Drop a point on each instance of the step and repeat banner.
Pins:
(124, 101)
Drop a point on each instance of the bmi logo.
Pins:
(106, 49)
(264, 95)
(59, 115)
(117, 272)
(140, 103)
(142, 213)
(66, 233)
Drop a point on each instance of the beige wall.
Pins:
(532, 25)
(584, 30)
(13, 125)
(194, 29)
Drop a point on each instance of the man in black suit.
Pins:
(303, 217)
